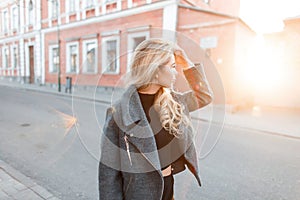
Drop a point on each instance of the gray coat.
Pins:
(129, 166)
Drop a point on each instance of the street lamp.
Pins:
(58, 39)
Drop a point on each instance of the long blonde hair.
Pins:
(147, 57)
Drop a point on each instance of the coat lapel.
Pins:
(131, 119)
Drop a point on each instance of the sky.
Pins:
(265, 16)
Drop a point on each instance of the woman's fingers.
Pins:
(181, 61)
(181, 58)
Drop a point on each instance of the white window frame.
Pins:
(130, 40)
(30, 19)
(68, 67)
(68, 8)
(14, 19)
(91, 5)
(4, 64)
(12, 56)
(206, 2)
(51, 47)
(104, 54)
(5, 21)
(84, 56)
(52, 7)
(110, 1)
(74, 5)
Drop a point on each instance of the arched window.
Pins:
(31, 12)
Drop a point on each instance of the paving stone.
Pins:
(20, 186)
(4, 176)
(27, 194)
(41, 191)
(16, 186)
(53, 198)
(10, 190)
(3, 195)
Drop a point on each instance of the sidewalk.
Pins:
(14, 185)
(274, 121)
(268, 120)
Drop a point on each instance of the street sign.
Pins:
(208, 42)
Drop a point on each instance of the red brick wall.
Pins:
(153, 18)
(229, 7)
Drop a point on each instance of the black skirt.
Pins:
(168, 188)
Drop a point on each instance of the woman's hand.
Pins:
(181, 59)
(182, 63)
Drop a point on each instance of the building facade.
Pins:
(92, 40)
(20, 40)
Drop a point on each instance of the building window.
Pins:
(89, 3)
(72, 58)
(110, 55)
(15, 17)
(55, 9)
(30, 17)
(53, 59)
(5, 57)
(134, 40)
(89, 56)
(30, 13)
(14, 57)
(72, 6)
(5, 21)
(206, 1)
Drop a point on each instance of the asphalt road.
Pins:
(56, 141)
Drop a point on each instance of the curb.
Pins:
(25, 182)
(61, 94)
(248, 128)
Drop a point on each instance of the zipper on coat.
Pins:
(127, 148)
(127, 187)
(159, 172)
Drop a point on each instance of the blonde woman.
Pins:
(148, 135)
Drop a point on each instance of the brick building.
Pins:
(94, 39)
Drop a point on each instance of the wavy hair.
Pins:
(147, 58)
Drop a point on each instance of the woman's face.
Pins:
(167, 73)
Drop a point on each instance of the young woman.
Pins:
(148, 135)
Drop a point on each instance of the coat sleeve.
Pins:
(200, 94)
(109, 174)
